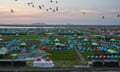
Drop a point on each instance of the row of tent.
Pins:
(103, 56)
(116, 46)
(18, 48)
(59, 46)
(92, 49)
(60, 49)
(13, 42)
(89, 49)
(28, 55)
(108, 42)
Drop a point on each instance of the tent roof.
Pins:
(99, 36)
(3, 50)
(112, 51)
(112, 39)
(85, 40)
(1, 39)
(57, 44)
(95, 44)
(23, 44)
(0, 35)
(57, 39)
(80, 36)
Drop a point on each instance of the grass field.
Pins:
(64, 58)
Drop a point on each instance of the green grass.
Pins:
(66, 63)
(63, 55)
(66, 58)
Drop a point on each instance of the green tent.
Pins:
(112, 39)
(112, 51)
(95, 44)
(23, 44)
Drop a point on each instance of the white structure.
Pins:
(3, 51)
(1, 39)
(57, 40)
(43, 63)
(0, 35)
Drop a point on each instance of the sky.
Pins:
(70, 12)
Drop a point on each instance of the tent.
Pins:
(95, 44)
(23, 44)
(0, 35)
(112, 51)
(3, 51)
(86, 40)
(1, 39)
(58, 44)
(80, 37)
(112, 39)
(57, 40)
(17, 35)
(43, 63)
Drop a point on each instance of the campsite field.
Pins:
(65, 58)
(67, 47)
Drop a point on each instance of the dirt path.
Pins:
(83, 60)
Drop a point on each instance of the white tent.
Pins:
(0, 35)
(95, 44)
(112, 51)
(112, 39)
(57, 39)
(3, 50)
(17, 35)
(43, 63)
(23, 44)
(1, 39)
(85, 40)
(57, 44)
(80, 37)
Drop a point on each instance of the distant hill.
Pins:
(38, 24)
